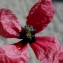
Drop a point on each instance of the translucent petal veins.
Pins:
(14, 53)
(48, 50)
(9, 24)
(40, 15)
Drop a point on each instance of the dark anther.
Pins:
(27, 34)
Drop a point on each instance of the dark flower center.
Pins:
(27, 34)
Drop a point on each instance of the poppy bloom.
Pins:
(46, 48)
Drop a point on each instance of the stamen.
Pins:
(27, 34)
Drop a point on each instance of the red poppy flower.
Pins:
(46, 48)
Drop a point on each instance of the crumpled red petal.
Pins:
(48, 50)
(9, 24)
(14, 53)
(40, 15)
